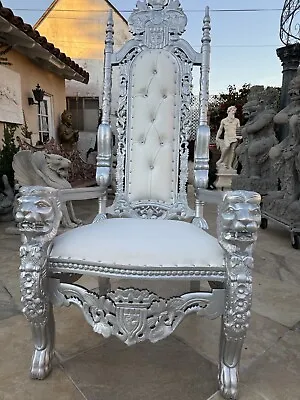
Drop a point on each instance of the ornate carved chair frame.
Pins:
(156, 235)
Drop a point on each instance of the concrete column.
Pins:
(290, 59)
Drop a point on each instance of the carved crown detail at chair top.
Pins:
(157, 23)
(154, 113)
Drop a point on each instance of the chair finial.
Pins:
(108, 50)
(204, 81)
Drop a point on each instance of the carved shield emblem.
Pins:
(131, 320)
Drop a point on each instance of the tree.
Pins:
(9, 149)
(219, 103)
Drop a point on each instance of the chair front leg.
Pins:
(234, 326)
(38, 216)
(39, 312)
(238, 222)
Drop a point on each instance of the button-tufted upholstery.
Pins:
(153, 127)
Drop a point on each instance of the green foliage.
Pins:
(9, 149)
(219, 103)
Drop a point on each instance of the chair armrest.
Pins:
(79, 193)
(210, 196)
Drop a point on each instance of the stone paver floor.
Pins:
(183, 366)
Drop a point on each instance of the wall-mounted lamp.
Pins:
(38, 94)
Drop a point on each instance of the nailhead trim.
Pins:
(79, 267)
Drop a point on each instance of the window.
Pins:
(85, 113)
(46, 130)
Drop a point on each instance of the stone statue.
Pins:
(67, 136)
(42, 169)
(258, 137)
(7, 197)
(230, 127)
(285, 202)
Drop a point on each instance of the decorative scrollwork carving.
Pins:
(122, 118)
(141, 209)
(135, 315)
(186, 124)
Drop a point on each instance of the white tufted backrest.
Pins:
(153, 127)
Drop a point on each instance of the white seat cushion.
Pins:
(155, 247)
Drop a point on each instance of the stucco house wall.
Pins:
(31, 74)
(78, 28)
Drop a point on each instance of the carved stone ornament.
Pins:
(258, 138)
(7, 197)
(284, 204)
(67, 136)
(48, 170)
(157, 22)
(135, 315)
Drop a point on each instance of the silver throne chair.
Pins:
(149, 232)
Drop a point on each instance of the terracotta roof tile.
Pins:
(18, 22)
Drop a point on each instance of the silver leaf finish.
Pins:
(135, 315)
(238, 222)
(165, 21)
(38, 217)
(104, 135)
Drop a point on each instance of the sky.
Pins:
(243, 47)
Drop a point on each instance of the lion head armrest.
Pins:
(238, 221)
(38, 215)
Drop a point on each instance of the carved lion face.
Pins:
(250, 109)
(239, 218)
(58, 164)
(37, 210)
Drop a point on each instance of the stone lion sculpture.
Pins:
(42, 169)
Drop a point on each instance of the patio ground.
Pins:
(183, 366)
